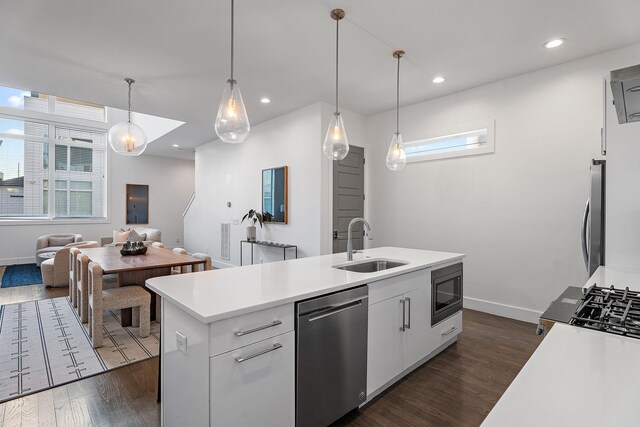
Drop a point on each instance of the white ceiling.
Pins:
(178, 51)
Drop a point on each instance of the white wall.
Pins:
(170, 181)
(232, 173)
(515, 213)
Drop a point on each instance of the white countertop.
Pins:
(618, 277)
(576, 377)
(218, 294)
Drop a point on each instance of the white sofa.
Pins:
(153, 235)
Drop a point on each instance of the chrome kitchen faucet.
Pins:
(350, 241)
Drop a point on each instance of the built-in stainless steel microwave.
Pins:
(446, 292)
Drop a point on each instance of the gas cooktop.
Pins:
(612, 310)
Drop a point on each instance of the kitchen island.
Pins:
(228, 338)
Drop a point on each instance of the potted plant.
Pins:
(253, 217)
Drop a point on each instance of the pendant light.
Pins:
(232, 124)
(336, 143)
(127, 138)
(396, 157)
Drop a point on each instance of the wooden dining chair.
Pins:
(101, 300)
(201, 267)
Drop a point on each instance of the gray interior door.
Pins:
(348, 198)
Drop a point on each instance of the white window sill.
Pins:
(70, 221)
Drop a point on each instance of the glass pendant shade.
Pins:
(127, 138)
(232, 124)
(336, 143)
(396, 156)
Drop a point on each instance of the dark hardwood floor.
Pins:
(460, 386)
(456, 388)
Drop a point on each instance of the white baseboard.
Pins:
(503, 310)
(221, 264)
(20, 260)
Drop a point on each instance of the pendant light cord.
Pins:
(398, 98)
(337, 39)
(232, 34)
(130, 82)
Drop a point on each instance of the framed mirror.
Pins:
(274, 193)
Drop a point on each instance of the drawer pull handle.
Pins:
(634, 89)
(241, 359)
(450, 331)
(259, 328)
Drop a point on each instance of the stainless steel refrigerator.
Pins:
(593, 221)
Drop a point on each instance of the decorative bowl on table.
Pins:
(133, 248)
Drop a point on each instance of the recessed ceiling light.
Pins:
(265, 100)
(176, 146)
(554, 43)
(438, 79)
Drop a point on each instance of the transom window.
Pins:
(467, 140)
(46, 139)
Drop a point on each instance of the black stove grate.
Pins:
(612, 310)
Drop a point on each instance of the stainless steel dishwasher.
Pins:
(331, 356)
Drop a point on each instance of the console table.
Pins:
(282, 246)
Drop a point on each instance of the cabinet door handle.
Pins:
(241, 359)
(259, 328)
(450, 331)
(404, 303)
(408, 305)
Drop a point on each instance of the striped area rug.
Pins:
(44, 344)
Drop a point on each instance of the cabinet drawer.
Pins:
(254, 385)
(239, 331)
(398, 285)
(447, 329)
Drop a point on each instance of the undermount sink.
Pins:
(371, 266)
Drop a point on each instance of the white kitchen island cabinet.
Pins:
(255, 385)
(228, 338)
(234, 372)
(400, 335)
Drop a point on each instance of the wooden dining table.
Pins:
(136, 269)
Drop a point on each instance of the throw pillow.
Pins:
(61, 241)
(120, 236)
(153, 234)
(135, 237)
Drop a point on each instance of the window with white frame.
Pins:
(468, 140)
(46, 139)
